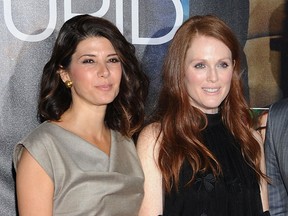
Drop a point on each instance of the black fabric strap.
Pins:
(266, 213)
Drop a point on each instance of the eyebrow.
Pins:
(93, 55)
(222, 59)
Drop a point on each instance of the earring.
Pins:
(68, 84)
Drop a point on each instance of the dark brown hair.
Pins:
(126, 113)
(181, 123)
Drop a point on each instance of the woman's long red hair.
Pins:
(182, 123)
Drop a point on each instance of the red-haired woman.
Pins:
(200, 154)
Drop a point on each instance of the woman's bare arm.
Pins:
(263, 182)
(147, 149)
(34, 188)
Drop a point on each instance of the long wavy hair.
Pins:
(126, 113)
(181, 124)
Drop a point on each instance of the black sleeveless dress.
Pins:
(235, 193)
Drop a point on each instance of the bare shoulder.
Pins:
(148, 141)
(151, 129)
(149, 136)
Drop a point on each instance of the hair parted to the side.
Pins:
(181, 123)
(126, 113)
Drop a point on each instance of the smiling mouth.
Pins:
(211, 90)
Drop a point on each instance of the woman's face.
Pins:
(95, 71)
(208, 73)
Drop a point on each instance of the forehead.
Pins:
(201, 44)
(97, 43)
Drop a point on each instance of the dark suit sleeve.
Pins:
(276, 152)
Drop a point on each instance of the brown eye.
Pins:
(114, 60)
(87, 61)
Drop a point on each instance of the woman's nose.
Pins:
(212, 75)
(103, 71)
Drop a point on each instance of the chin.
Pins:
(212, 106)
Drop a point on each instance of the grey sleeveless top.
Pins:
(86, 180)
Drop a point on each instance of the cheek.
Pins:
(192, 79)
(228, 78)
(79, 74)
(117, 75)
(225, 76)
(192, 84)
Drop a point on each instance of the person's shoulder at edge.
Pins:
(283, 103)
(277, 111)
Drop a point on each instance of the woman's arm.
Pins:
(34, 188)
(147, 148)
(263, 182)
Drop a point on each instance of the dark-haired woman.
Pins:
(82, 160)
(200, 154)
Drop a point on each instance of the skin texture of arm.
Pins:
(34, 188)
(263, 182)
(147, 150)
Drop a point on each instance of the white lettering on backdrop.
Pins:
(101, 12)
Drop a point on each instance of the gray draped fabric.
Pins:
(86, 180)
